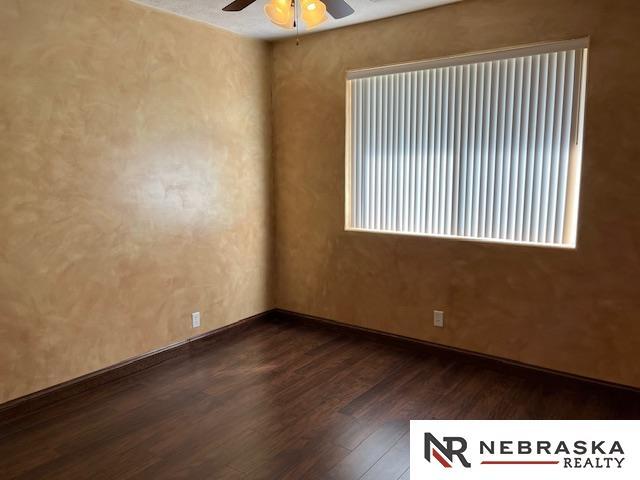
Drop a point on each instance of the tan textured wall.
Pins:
(134, 184)
(576, 311)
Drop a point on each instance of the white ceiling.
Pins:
(252, 21)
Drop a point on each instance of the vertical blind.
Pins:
(484, 146)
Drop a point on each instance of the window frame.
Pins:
(576, 134)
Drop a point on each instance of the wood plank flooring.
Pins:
(281, 401)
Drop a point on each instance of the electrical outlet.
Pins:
(438, 319)
(195, 319)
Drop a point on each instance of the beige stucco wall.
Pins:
(575, 311)
(135, 184)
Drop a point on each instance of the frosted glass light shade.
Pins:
(280, 12)
(314, 12)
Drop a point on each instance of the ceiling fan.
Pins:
(283, 13)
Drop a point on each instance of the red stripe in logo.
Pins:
(495, 462)
(440, 458)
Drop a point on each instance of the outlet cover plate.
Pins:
(438, 319)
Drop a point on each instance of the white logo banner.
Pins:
(525, 449)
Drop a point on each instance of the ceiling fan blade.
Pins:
(338, 8)
(238, 5)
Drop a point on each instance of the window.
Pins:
(484, 146)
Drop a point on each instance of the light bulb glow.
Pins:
(314, 12)
(280, 12)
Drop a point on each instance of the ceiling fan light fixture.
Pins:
(314, 12)
(280, 12)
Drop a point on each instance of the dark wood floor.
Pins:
(281, 401)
